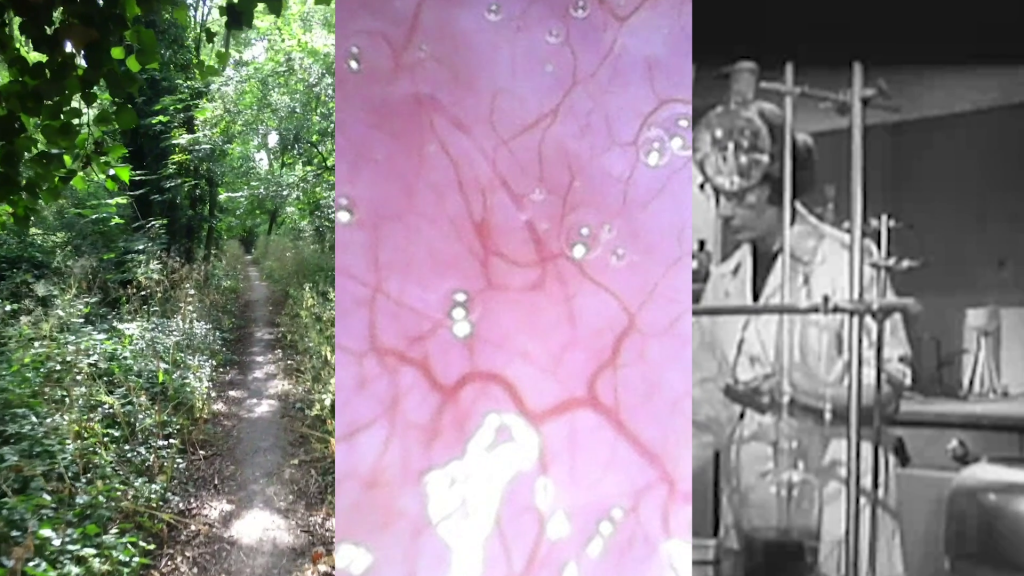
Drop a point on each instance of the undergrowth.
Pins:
(302, 279)
(107, 363)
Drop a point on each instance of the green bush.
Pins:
(100, 399)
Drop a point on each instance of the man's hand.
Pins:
(759, 395)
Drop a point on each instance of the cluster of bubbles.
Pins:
(585, 242)
(462, 326)
(343, 211)
(578, 9)
(670, 135)
(354, 61)
(596, 545)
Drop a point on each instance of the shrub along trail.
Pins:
(254, 496)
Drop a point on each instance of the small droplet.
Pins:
(458, 313)
(555, 35)
(680, 145)
(579, 250)
(585, 231)
(462, 329)
(681, 135)
(538, 194)
(618, 256)
(353, 62)
(423, 51)
(344, 216)
(579, 9)
(654, 148)
(607, 232)
(460, 296)
(617, 514)
(493, 12)
(549, 67)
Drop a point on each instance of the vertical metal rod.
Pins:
(881, 288)
(787, 251)
(856, 321)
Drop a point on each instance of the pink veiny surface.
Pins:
(475, 153)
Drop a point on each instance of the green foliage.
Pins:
(138, 140)
(100, 398)
(70, 74)
(303, 277)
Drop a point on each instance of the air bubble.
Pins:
(462, 329)
(549, 67)
(458, 313)
(654, 147)
(680, 145)
(555, 35)
(343, 213)
(579, 9)
(618, 256)
(538, 194)
(579, 250)
(617, 514)
(607, 232)
(460, 296)
(493, 12)
(585, 231)
(681, 135)
(354, 63)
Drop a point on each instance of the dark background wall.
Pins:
(957, 182)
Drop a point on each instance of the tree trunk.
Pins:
(273, 222)
(211, 222)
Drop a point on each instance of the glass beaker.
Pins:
(732, 144)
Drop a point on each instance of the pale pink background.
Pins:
(445, 135)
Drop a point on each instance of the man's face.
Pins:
(747, 214)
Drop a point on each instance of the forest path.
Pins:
(243, 493)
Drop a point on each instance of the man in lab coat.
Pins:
(740, 357)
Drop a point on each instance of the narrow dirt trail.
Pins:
(240, 494)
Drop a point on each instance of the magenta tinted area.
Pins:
(513, 288)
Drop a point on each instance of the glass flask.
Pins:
(732, 144)
(777, 474)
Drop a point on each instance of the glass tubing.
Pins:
(856, 306)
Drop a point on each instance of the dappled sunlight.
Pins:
(217, 509)
(263, 527)
(260, 407)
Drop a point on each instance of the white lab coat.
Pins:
(748, 345)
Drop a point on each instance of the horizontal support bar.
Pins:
(878, 308)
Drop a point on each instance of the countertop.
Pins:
(1000, 414)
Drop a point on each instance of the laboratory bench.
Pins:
(940, 437)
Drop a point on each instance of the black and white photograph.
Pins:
(858, 320)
